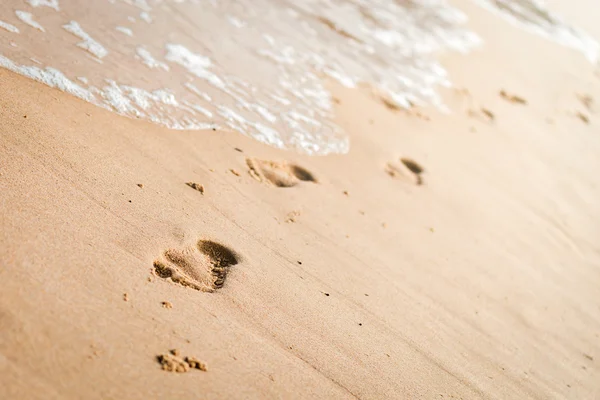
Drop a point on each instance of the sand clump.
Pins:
(196, 186)
(292, 216)
(173, 362)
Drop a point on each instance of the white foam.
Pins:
(143, 4)
(124, 30)
(88, 43)
(44, 3)
(50, 77)
(200, 109)
(533, 16)
(257, 66)
(238, 23)
(195, 63)
(198, 92)
(117, 98)
(149, 60)
(8, 27)
(144, 16)
(28, 19)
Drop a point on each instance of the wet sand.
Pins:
(468, 270)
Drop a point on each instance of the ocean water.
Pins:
(258, 67)
(533, 16)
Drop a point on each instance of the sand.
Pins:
(471, 271)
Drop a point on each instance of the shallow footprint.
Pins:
(203, 266)
(280, 174)
(408, 169)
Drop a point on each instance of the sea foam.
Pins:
(259, 67)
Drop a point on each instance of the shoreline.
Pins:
(479, 283)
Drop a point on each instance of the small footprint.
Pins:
(280, 174)
(407, 168)
(513, 98)
(203, 266)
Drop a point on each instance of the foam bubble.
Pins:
(44, 3)
(124, 30)
(8, 27)
(144, 16)
(28, 19)
(88, 43)
(50, 77)
(149, 60)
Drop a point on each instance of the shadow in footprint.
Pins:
(407, 168)
(203, 266)
(280, 174)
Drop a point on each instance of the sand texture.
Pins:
(447, 256)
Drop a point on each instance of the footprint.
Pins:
(513, 98)
(203, 266)
(407, 169)
(280, 174)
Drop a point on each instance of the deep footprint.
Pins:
(203, 266)
(280, 174)
(407, 169)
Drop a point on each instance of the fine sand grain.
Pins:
(455, 256)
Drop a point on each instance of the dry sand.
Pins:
(341, 276)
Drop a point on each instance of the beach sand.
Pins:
(343, 276)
